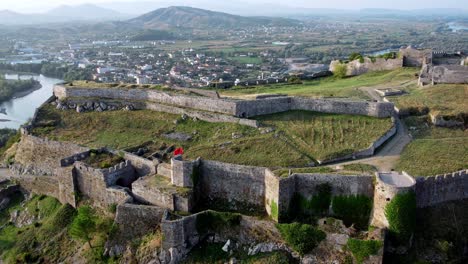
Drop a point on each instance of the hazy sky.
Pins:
(42, 5)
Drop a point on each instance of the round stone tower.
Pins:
(387, 186)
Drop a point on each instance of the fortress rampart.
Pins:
(356, 67)
(160, 101)
(39, 156)
(431, 191)
(195, 102)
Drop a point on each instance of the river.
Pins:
(20, 110)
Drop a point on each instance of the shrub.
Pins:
(301, 237)
(83, 225)
(362, 249)
(355, 56)
(112, 208)
(274, 210)
(401, 216)
(353, 209)
(215, 221)
(340, 71)
(294, 80)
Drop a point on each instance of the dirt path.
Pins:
(387, 157)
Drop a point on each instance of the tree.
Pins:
(340, 70)
(83, 225)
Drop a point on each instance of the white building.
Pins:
(142, 80)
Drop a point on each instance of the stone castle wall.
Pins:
(431, 191)
(138, 220)
(99, 185)
(357, 68)
(225, 110)
(450, 74)
(414, 57)
(272, 190)
(42, 156)
(235, 186)
(201, 103)
(306, 185)
(251, 108)
(141, 165)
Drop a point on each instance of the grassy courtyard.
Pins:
(330, 86)
(444, 99)
(434, 150)
(299, 138)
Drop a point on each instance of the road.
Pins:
(387, 157)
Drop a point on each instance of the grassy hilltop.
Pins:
(330, 86)
(299, 137)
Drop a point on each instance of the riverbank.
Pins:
(21, 107)
(20, 94)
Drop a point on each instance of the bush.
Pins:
(401, 216)
(294, 80)
(353, 209)
(362, 249)
(274, 210)
(355, 56)
(84, 224)
(301, 237)
(340, 71)
(112, 208)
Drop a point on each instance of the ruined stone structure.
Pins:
(356, 67)
(160, 101)
(442, 67)
(146, 191)
(414, 57)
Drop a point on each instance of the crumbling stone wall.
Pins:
(227, 110)
(146, 192)
(450, 74)
(164, 169)
(415, 58)
(98, 185)
(141, 165)
(431, 191)
(133, 222)
(42, 156)
(196, 102)
(356, 67)
(138, 220)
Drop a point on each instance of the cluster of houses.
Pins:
(154, 63)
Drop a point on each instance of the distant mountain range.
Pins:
(85, 12)
(64, 13)
(189, 17)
